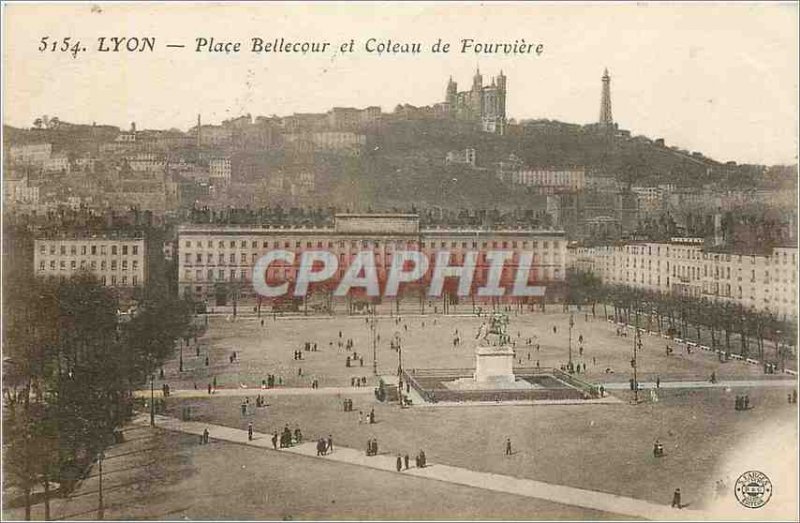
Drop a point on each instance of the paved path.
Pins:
(590, 499)
(705, 384)
(254, 391)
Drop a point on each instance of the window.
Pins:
(124, 280)
(113, 280)
(62, 265)
(73, 250)
(220, 259)
(94, 250)
(83, 264)
(63, 249)
(135, 280)
(233, 274)
(135, 248)
(209, 244)
(41, 265)
(113, 249)
(233, 244)
(233, 258)
(198, 258)
(102, 265)
(102, 249)
(52, 264)
(243, 244)
(94, 264)
(254, 245)
(113, 265)
(124, 265)
(42, 249)
(125, 250)
(187, 257)
(188, 244)
(72, 265)
(52, 249)
(221, 244)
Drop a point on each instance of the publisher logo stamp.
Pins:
(753, 489)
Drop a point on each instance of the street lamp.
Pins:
(100, 508)
(571, 323)
(637, 344)
(152, 400)
(373, 326)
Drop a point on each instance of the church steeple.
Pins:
(477, 80)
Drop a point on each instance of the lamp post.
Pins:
(400, 373)
(100, 508)
(637, 344)
(569, 344)
(373, 327)
(152, 400)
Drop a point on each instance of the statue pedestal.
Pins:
(494, 365)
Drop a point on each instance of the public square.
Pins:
(606, 448)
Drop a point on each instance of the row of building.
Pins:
(688, 267)
(212, 257)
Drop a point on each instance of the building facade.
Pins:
(482, 103)
(547, 181)
(213, 257)
(687, 267)
(115, 262)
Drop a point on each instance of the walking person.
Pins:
(405, 459)
(250, 431)
(399, 463)
(676, 498)
(275, 440)
(330, 443)
(508, 446)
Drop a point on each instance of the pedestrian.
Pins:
(215, 382)
(360, 417)
(676, 498)
(422, 459)
(209, 388)
(405, 459)
(205, 436)
(399, 463)
(658, 382)
(508, 446)
(275, 440)
(250, 431)
(330, 443)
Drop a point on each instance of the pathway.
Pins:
(241, 392)
(704, 384)
(563, 494)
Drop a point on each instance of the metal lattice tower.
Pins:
(605, 101)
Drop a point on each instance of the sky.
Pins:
(718, 78)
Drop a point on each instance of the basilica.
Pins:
(485, 104)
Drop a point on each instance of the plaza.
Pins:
(605, 448)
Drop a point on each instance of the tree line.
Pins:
(686, 317)
(71, 364)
